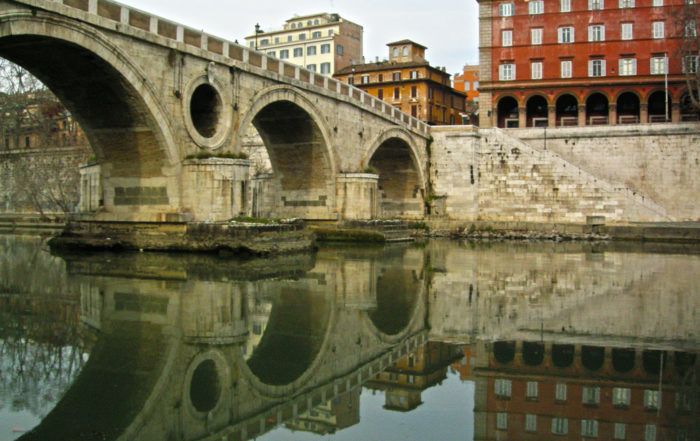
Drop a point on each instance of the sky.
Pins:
(449, 28)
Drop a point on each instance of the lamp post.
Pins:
(666, 85)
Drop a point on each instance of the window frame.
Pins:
(565, 35)
(506, 72)
(658, 29)
(536, 36)
(506, 37)
(627, 31)
(566, 68)
(506, 9)
(627, 67)
(536, 70)
(596, 33)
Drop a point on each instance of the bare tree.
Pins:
(33, 123)
(685, 21)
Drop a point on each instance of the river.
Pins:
(433, 340)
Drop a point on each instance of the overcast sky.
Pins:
(449, 28)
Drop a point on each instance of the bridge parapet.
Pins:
(140, 24)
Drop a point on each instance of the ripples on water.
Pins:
(442, 340)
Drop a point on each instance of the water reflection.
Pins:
(570, 340)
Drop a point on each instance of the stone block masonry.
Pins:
(490, 174)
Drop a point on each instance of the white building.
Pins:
(322, 43)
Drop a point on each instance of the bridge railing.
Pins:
(146, 22)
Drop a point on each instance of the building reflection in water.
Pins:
(192, 347)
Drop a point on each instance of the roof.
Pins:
(406, 42)
(382, 65)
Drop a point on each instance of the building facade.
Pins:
(583, 62)
(322, 43)
(408, 82)
(468, 82)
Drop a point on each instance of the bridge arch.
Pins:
(294, 343)
(298, 142)
(394, 156)
(108, 94)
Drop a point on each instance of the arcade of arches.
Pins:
(596, 108)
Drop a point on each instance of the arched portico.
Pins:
(659, 106)
(536, 110)
(628, 108)
(298, 144)
(507, 112)
(401, 184)
(597, 109)
(566, 109)
(110, 96)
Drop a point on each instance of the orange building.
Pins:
(409, 83)
(468, 82)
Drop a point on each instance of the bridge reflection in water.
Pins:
(196, 347)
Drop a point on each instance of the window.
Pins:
(565, 5)
(339, 49)
(302, 36)
(396, 76)
(651, 399)
(565, 34)
(476, 85)
(325, 68)
(684, 398)
(311, 67)
(502, 387)
(380, 94)
(619, 431)
(404, 51)
(272, 54)
(626, 4)
(501, 421)
(309, 23)
(566, 68)
(330, 32)
(535, 7)
(596, 68)
(414, 92)
(560, 426)
(252, 44)
(316, 21)
(591, 395)
(277, 40)
(298, 52)
(505, 9)
(289, 38)
(657, 3)
(596, 33)
(316, 34)
(657, 65)
(595, 5)
(414, 74)
(690, 30)
(397, 93)
(560, 392)
(381, 78)
(649, 432)
(264, 42)
(311, 50)
(467, 86)
(589, 428)
(627, 66)
(506, 72)
(507, 38)
(364, 79)
(284, 54)
(294, 25)
(531, 389)
(536, 70)
(325, 48)
(657, 29)
(621, 396)
(531, 422)
(536, 36)
(351, 80)
(626, 31)
(395, 52)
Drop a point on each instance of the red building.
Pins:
(583, 62)
(468, 82)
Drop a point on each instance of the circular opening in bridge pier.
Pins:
(205, 110)
(205, 387)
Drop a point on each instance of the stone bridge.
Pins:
(155, 97)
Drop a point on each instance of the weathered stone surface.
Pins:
(256, 239)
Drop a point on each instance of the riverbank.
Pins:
(671, 232)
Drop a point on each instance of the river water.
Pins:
(423, 341)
